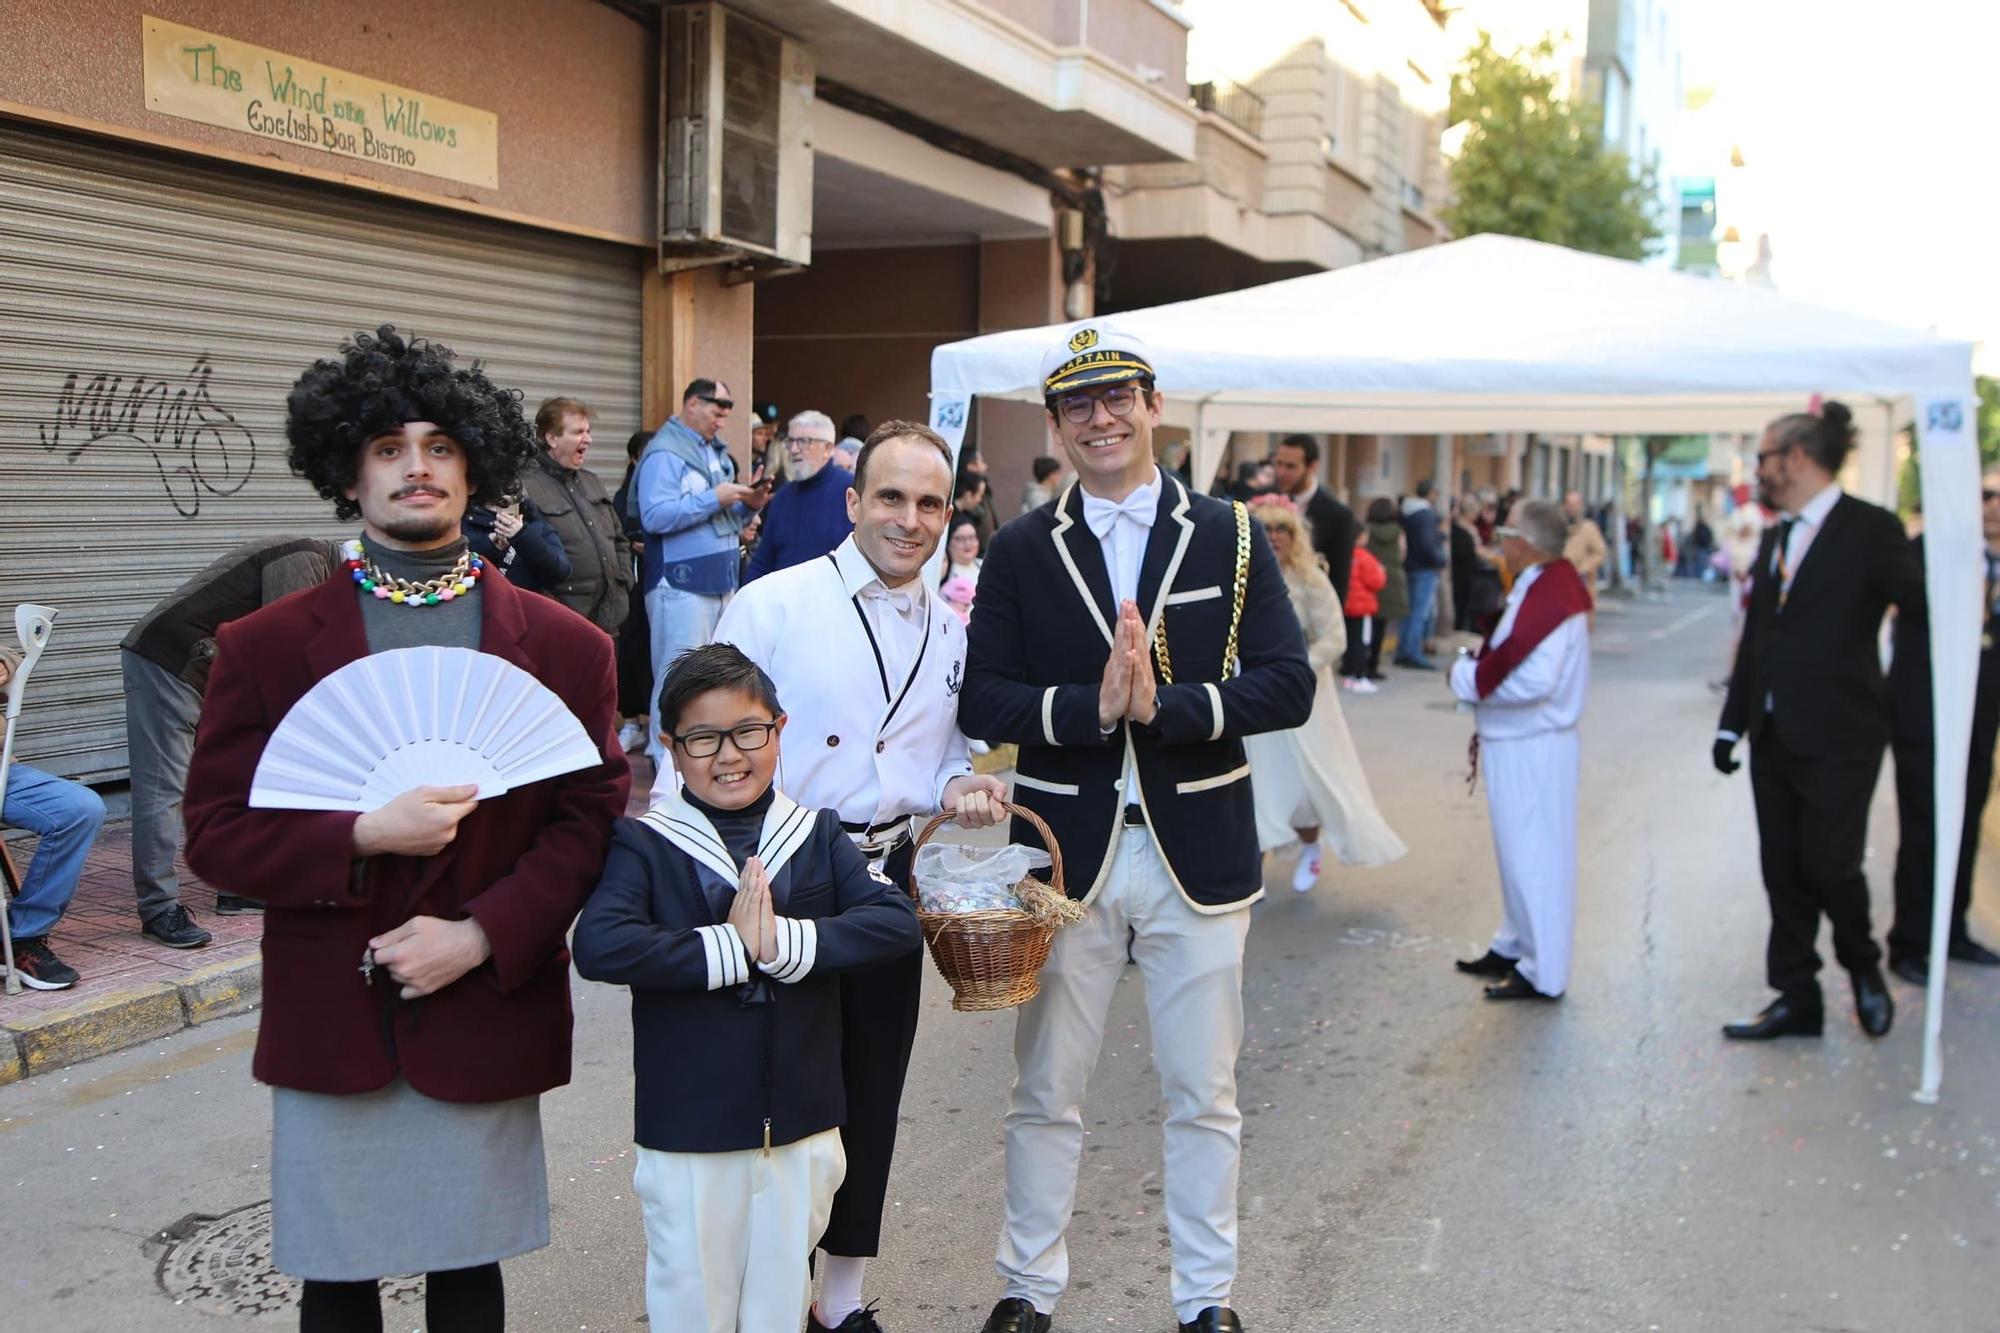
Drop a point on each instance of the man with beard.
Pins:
(869, 663)
(808, 517)
(416, 983)
(1808, 693)
(1129, 634)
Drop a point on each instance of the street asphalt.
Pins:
(1415, 1158)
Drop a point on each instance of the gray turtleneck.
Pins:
(453, 624)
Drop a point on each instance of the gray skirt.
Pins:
(379, 1184)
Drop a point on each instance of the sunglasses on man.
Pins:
(726, 404)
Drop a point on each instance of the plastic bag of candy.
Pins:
(956, 879)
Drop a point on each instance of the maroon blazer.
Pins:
(522, 865)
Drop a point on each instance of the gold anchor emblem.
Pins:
(1083, 340)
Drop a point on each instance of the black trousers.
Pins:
(1916, 813)
(878, 1027)
(1362, 658)
(1812, 831)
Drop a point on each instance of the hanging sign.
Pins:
(218, 80)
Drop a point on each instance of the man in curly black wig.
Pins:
(383, 381)
(417, 1002)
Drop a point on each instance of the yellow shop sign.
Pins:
(220, 81)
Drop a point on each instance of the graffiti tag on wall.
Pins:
(198, 446)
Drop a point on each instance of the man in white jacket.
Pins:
(1527, 685)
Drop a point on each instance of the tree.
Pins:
(1534, 164)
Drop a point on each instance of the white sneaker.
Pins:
(631, 737)
(1305, 875)
(1363, 685)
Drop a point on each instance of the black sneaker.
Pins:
(41, 969)
(176, 929)
(230, 904)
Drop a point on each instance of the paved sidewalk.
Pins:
(133, 989)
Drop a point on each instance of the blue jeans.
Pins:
(65, 815)
(1423, 609)
(678, 621)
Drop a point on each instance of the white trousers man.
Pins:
(1531, 792)
(1193, 969)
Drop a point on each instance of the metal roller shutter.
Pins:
(155, 309)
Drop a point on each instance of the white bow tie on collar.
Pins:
(1141, 506)
(901, 602)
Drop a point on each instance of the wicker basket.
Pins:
(993, 959)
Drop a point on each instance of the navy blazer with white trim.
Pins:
(1040, 636)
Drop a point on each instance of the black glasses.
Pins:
(1763, 454)
(724, 403)
(1988, 497)
(803, 440)
(1078, 408)
(750, 736)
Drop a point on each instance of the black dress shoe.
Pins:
(1971, 951)
(1215, 1319)
(1492, 965)
(1516, 987)
(1015, 1315)
(861, 1321)
(232, 904)
(1786, 1016)
(1872, 1004)
(1910, 968)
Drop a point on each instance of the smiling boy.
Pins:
(731, 912)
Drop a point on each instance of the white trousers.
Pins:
(1531, 792)
(1193, 970)
(729, 1234)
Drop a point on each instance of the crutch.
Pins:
(33, 624)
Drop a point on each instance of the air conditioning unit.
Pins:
(736, 161)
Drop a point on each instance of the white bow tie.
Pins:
(1141, 506)
(901, 602)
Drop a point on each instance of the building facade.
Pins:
(201, 197)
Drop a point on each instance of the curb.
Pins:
(128, 1017)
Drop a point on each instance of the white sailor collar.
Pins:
(787, 826)
(856, 575)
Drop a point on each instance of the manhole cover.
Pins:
(224, 1264)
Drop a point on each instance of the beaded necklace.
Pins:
(454, 583)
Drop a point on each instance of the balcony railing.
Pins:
(1233, 102)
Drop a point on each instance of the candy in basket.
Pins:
(988, 921)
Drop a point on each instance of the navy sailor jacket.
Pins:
(1040, 636)
(729, 1053)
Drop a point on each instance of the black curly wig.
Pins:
(380, 382)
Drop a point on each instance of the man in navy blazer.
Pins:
(1129, 634)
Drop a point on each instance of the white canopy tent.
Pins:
(1494, 333)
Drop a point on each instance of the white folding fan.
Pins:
(417, 717)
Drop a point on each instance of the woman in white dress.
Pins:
(1308, 782)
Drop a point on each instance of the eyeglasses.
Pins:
(1763, 454)
(726, 404)
(1988, 497)
(750, 736)
(1078, 408)
(1506, 532)
(803, 440)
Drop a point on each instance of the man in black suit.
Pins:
(1110, 623)
(1916, 811)
(1333, 524)
(1807, 692)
